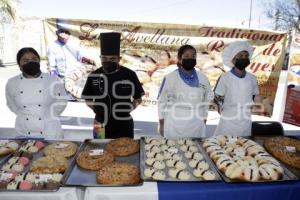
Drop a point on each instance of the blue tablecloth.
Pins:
(289, 190)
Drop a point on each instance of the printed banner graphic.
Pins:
(150, 49)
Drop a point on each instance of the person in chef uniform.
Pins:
(36, 98)
(236, 91)
(112, 92)
(183, 98)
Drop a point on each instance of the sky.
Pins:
(212, 12)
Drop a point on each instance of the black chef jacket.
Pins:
(113, 95)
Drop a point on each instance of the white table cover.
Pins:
(147, 191)
(63, 193)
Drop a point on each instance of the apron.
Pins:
(236, 114)
(183, 118)
(233, 125)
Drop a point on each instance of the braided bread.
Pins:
(242, 159)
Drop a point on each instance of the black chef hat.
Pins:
(110, 43)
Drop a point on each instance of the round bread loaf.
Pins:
(123, 146)
(118, 174)
(65, 149)
(278, 147)
(49, 165)
(88, 160)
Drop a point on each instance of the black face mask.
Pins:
(110, 66)
(242, 63)
(188, 64)
(31, 68)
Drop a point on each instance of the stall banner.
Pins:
(150, 49)
(292, 106)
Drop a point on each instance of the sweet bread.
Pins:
(71, 84)
(164, 147)
(242, 159)
(30, 147)
(167, 142)
(123, 146)
(152, 148)
(213, 148)
(178, 164)
(13, 166)
(49, 165)
(65, 149)
(180, 174)
(204, 174)
(185, 142)
(91, 161)
(171, 155)
(7, 147)
(270, 171)
(250, 169)
(223, 162)
(234, 171)
(266, 159)
(157, 164)
(285, 149)
(118, 174)
(157, 156)
(199, 164)
(187, 148)
(193, 155)
(155, 174)
(153, 141)
(215, 155)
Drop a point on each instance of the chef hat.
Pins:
(233, 49)
(110, 43)
(62, 26)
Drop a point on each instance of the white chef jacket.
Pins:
(238, 95)
(37, 102)
(183, 107)
(64, 58)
